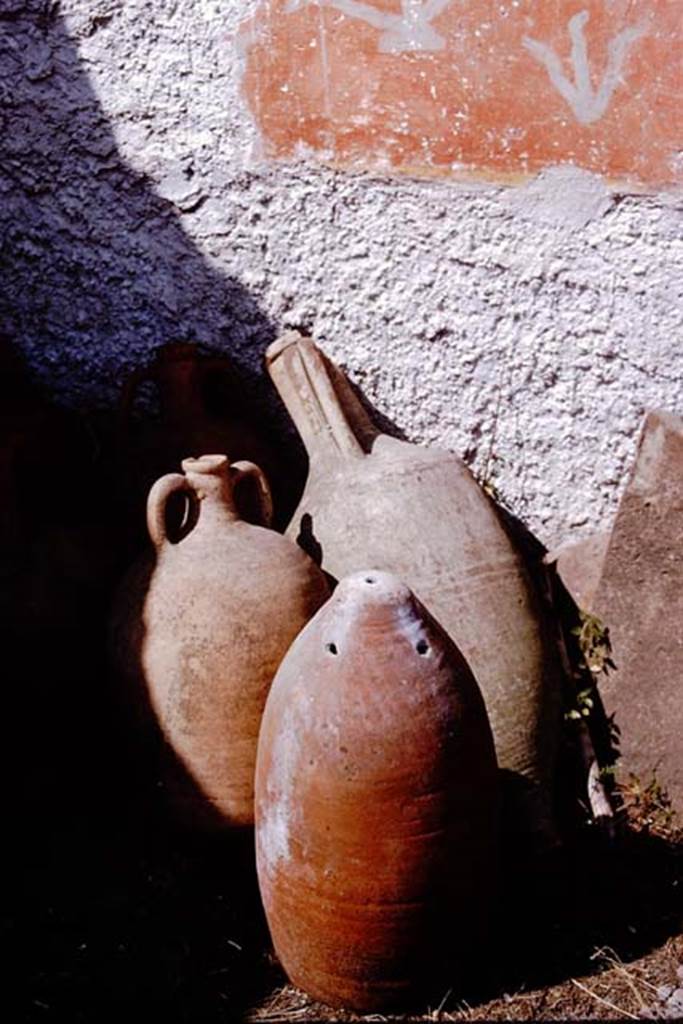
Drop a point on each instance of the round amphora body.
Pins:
(199, 631)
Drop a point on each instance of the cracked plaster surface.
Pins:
(526, 332)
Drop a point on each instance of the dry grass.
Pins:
(612, 991)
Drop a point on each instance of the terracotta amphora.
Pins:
(418, 512)
(376, 802)
(198, 633)
(201, 406)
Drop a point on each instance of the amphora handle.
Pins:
(161, 491)
(210, 480)
(243, 470)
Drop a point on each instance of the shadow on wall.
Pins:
(97, 270)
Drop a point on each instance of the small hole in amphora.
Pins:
(370, 579)
(422, 647)
(332, 648)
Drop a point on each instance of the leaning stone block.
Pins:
(640, 598)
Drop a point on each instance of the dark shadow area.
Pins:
(307, 540)
(589, 895)
(133, 917)
(582, 739)
(580, 683)
(108, 909)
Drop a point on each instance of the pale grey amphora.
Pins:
(418, 513)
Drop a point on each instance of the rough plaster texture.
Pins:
(526, 329)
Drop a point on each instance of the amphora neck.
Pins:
(319, 398)
(210, 479)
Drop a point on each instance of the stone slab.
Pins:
(579, 565)
(640, 598)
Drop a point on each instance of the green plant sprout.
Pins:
(594, 644)
(595, 650)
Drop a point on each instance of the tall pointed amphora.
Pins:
(418, 512)
(376, 803)
(199, 630)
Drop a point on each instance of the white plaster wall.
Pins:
(526, 329)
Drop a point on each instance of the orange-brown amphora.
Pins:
(418, 512)
(376, 802)
(198, 633)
